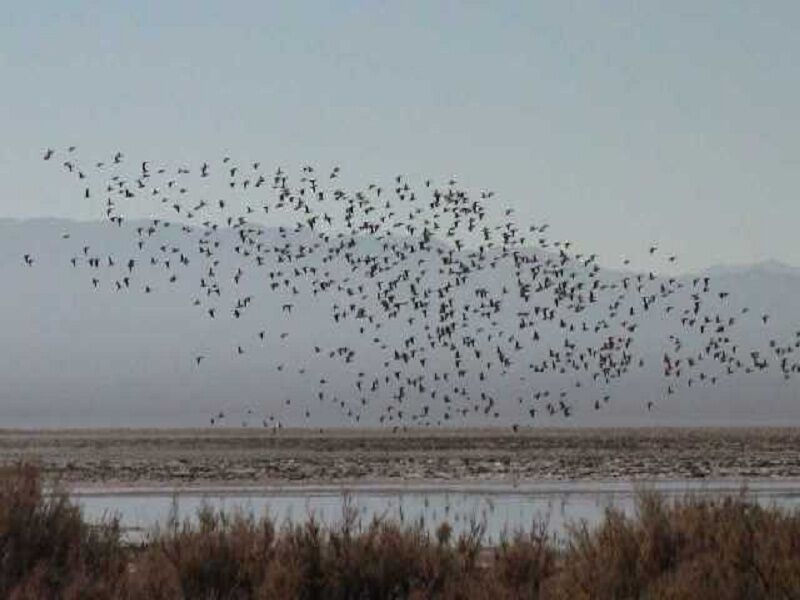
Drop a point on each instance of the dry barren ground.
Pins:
(201, 457)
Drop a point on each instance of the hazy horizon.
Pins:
(677, 271)
(619, 125)
(77, 356)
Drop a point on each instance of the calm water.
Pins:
(502, 508)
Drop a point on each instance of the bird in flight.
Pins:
(426, 307)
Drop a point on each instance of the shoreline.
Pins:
(489, 488)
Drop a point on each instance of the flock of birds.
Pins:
(447, 298)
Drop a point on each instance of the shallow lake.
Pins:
(500, 507)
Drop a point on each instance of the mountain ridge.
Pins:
(74, 354)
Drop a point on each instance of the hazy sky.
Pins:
(620, 123)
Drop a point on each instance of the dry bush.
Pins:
(239, 557)
(523, 564)
(47, 549)
(693, 547)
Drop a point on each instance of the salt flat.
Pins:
(236, 457)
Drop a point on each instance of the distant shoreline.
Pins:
(485, 488)
(247, 457)
(503, 431)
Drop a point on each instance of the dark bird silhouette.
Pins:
(449, 304)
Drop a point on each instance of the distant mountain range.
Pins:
(75, 355)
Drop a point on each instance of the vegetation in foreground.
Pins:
(692, 548)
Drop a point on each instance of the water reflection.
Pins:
(500, 508)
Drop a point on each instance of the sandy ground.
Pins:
(245, 457)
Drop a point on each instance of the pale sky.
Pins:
(619, 123)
